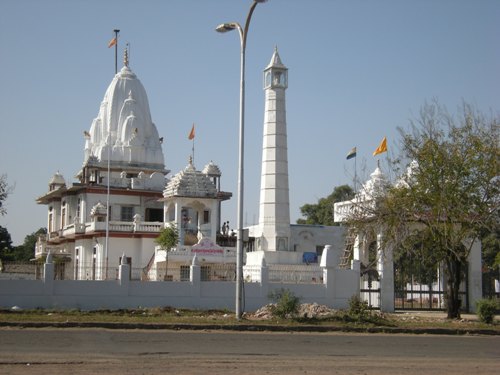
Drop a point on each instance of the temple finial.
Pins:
(125, 57)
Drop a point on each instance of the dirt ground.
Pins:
(114, 352)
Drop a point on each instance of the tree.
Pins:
(5, 244)
(448, 192)
(322, 212)
(26, 251)
(5, 190)
(167, 239)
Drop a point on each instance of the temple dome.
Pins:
(190, 183)
(212, 170)
(124, 121)
(57, 179)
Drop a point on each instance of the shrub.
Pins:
(486, 309)
(358, 309)
(287, 304)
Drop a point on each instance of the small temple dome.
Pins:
(212, 170)
(375, 185)
(190, 183)
(57, 181)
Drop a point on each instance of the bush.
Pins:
(287, 304)
(358, 309)
(486, 309)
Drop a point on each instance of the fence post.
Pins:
(475, 287)
(195, 279)
(330, 260)
(48, 275)
(124, 275)
(386, 272)
(264, 279)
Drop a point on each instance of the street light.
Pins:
(225, 27)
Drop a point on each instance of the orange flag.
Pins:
(191, 133)
(381, 148)
(112, 42)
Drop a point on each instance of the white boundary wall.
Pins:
(338, 287)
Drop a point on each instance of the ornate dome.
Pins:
(190, 183)
(212, 170)
(124, 121)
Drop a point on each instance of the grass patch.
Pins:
(169, 315)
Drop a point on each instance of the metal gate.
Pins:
(417, 287)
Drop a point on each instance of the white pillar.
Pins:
(475, 275)
(386, 272)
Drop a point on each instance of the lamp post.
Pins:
(225, 27)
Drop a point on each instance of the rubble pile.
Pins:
(313, 310)
(306, 310)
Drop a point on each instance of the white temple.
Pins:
(124, 170)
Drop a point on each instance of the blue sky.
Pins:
(357, 71)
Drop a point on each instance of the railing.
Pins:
(159, 272)
(218, 272)
(296, 274)
(252, 274)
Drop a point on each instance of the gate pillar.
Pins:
(386, 272)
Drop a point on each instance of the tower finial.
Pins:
(125, 57)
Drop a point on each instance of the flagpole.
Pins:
(355, 172)
(193, 151)
(116, 31)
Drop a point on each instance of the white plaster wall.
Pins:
(116, 294)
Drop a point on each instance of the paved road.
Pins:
(99, 351)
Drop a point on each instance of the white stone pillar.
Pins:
(386, 272)
(475, 276)
(48, 275)
(195, 278)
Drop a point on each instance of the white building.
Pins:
(123, 163)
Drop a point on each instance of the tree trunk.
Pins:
(453, 302)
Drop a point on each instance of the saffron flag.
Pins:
(351, 154)
(191, 133)
(112, 42)
(381, 148)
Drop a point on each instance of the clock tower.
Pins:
(274, 207)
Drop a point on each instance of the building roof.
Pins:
(190, 183)
(57, 179)
(212, 170)
(276, 61)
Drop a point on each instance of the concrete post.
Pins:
(329, 262)
(195, 278)
(386, 272)
(48, 275)
(475, 276)
(264, 278)
(124, 274)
